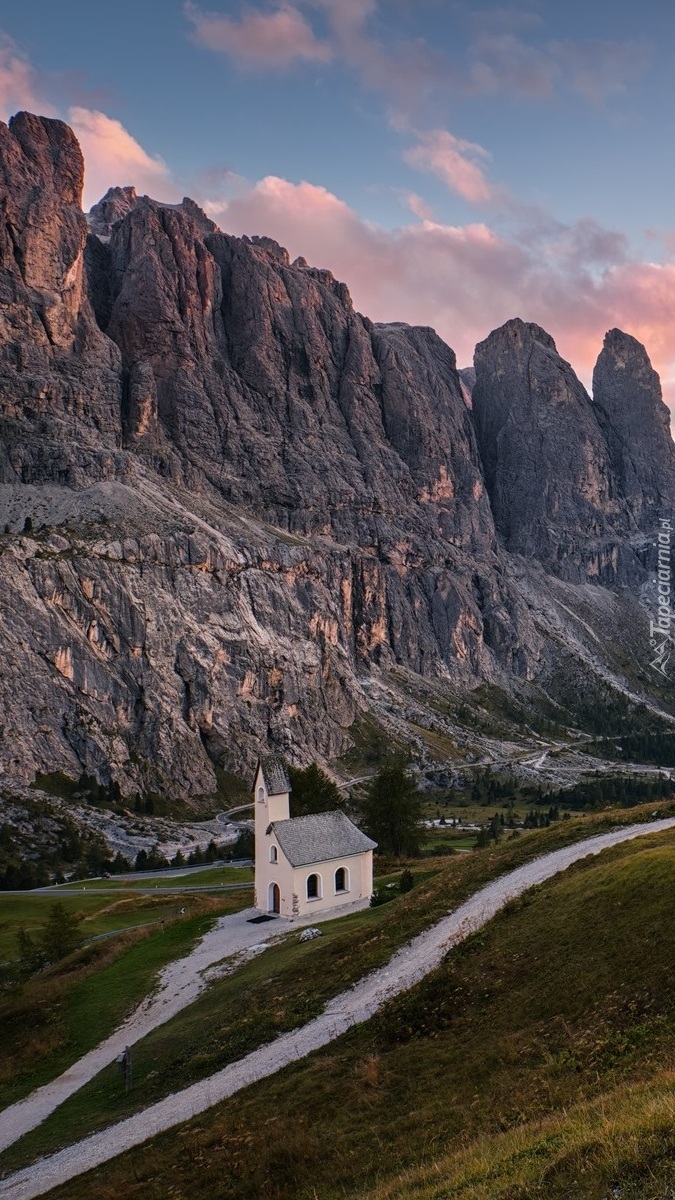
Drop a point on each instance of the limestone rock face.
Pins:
(43, 229)
(627, 397)
(260, 494)
(236, 510)
(548, 468)
(116, 203)
(58, 373)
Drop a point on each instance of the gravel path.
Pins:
(179, 983)
(405, 968)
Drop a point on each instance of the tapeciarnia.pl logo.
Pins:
(660, 630)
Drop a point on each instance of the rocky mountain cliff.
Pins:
(572, 479)
(238, 514)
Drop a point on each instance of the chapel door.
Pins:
(276, 899)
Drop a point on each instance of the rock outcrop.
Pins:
(117, 202)
(235, 507)
(60, 382)
(636, 423)
(548, 468)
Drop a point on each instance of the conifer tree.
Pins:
(392, 810)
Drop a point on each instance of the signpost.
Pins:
(124, 1063)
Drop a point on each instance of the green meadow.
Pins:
(54, 1017)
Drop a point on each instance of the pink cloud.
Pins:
(600, 69)
(417, 205)
(114, 157)
(454, 161)
(259, 39)
(425, 273)
(403, 69)
(466, 280)
(596, 70)
(499, 59)
(20, 84)
(503, 62)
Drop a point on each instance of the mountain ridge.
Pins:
(265, 511)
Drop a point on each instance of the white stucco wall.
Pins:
(359, 869)
(266, 810)
(292, 882)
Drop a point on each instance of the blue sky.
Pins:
(456, 163)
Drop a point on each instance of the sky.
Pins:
(457, 164)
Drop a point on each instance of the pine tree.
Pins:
(61, 933)
(495, 828)
(141, 863)
(312, 791)
(392, 810)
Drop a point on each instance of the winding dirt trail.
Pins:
(405, 968)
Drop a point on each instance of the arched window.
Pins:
(342, 880)
(273, 854)
(261, 795)
(313, 887)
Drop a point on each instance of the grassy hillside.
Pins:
(287, 987)
(98, 914)
(538, 1062)
(53, 1018)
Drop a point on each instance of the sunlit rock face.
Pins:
(233, 502)
(60, 381)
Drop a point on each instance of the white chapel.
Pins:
(305, 864)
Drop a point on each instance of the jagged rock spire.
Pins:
(629, 403)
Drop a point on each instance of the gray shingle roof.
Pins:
(320, 836)
(275, 775)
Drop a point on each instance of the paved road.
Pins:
(117, 891)
(163, 873)
(410, 964)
